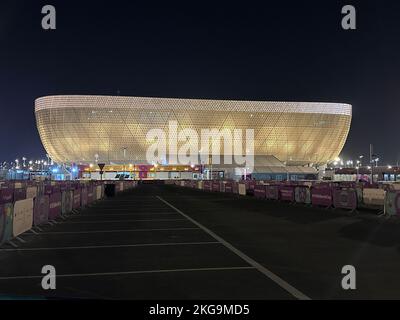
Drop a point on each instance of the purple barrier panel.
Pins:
(272, 192)
(66, 201)
(48, 189)
(216, 186)
(76, 202)
(235, 187)
(286, 193)
(6, 222)
(41, 210)
(302, 194)
(228, 187)
(19, 194)
(207, 185)
(84, 197)
(90, 194)
(321, 196)
(6, 214)
(250, 185)
(6, 196)
(260, 191)
(54, 205)
(345, 198)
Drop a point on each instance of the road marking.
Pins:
(123, 214)
(129, 272)
(118, 231)
(279, 281)
(115, 246)
(114, 221)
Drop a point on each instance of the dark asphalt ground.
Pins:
(140, 246)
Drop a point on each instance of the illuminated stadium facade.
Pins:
(112, 129)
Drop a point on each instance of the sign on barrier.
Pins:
(23, 216)
(302, 194)
(321, 196)
(392, 202)
(259, 191)
(200, 185)
(55, 205)
(41, 210)
(345, 198)
(272, 192)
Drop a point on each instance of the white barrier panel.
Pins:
(98, 193)
(200, 185)
(121, 186)
(23, 216)
(182, 183)
(31, 192)
(242, 189)
(375, 197)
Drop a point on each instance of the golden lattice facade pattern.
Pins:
(112, 129)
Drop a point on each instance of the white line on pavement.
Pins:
(279, 281)
(129, 272)
(115, 246)
(118, 231)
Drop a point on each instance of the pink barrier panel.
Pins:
(90, 194)
(345, 198)
(228, 187)
(207, 185)
(84, 197)
(216, 186)
(55, 205)
(76, 200)
(321, 196)
(286, 193)
(41, 210)
(6, 196)
(272, 192)
(250, 185)
(260, 191)
(19, 194)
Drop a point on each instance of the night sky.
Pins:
(281, 50)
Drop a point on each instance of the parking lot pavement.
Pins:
(166, 242)
(134, 246)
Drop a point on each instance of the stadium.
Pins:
(83, 129)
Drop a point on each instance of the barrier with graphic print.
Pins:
(66, 201)
(321, 195)
(392, 202)
(259, 191)
(345, 198)
(286, 193)
(302, 194)
(41, 210)
(272, 192)
(55, 206)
